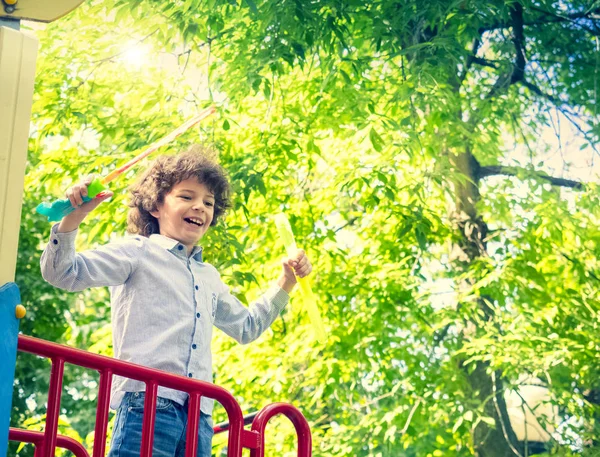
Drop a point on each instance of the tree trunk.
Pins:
(498, 440)
(488, 440)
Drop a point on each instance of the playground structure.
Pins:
(18, 53)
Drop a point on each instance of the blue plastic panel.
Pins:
(9, 330)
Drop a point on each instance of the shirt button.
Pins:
(198, 315)
(180, 247)
(55, 241)
(196, 287)
(189, 375)
(194, 346)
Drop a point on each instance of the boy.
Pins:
(164, 298)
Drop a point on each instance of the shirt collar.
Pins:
(174, 246)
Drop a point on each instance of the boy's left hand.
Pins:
(299, 265)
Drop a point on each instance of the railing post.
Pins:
(54, 394)
(102, 413)
(234, 441)
(149, 419)
(191, 445)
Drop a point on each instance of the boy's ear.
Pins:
(154, 213)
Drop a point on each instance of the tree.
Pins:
(384, 130)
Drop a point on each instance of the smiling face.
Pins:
(186, 213)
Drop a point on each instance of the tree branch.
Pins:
(539, 420)
(495, 170)
(505, 427)
(559, 105)
(470, 60)
(410, 416)
(127, 49)
(547, 17)
(536, 90)
(100, 62)
(350, 222)
(484, 62)
(518, 38)
(580, 264)
(517, 71)
(556, 17)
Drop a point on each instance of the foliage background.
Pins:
(406, 142)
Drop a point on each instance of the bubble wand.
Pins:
(58, 209)
(310, 302)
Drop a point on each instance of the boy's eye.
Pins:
(209, 203)
(185, 197)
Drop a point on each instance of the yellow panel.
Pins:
(18, 52)
(40, 10)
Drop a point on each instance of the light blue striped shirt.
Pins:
(164, 304)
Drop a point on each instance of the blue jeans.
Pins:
(169, 429)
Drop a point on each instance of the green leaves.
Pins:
(376, 140)
(252, 6)
(349, 117)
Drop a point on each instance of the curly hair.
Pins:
(149, 192)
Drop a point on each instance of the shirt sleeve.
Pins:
(67, 269)
(247, 324)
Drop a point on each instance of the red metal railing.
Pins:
(302, 429)
(37, 438)
(238, 439)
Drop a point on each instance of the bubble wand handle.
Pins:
(310, 302)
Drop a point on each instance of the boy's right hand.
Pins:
(75, 195)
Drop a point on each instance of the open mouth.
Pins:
(194, 221)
